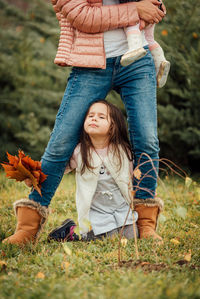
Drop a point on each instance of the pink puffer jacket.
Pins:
(82, 23)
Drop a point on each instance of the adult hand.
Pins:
(148, 11)
(163, 8)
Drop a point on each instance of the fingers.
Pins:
(58, 16)
(160, 5)
(28, 182)
(164, 8)
(161, 11)
(157, 16)
(156, 21)
(142, 24)
(149, 11)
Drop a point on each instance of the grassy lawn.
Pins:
(171, 270)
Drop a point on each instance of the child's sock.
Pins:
(136, 51)
(161, 64)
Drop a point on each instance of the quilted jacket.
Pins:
(82, 23)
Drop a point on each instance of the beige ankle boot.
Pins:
(148, 211)
(162, 66)
(31, 217)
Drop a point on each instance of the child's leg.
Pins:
(65, 233)
(161, 64)
(128, 232)
(135, 51)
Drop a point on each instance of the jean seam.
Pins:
(68, 96)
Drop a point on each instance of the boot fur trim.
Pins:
(149, 202)
(43, 211)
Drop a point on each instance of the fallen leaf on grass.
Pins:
(175, 241)
(65, 266)
(22, 167)
(66, 249)
(188, 256)
(40, 275)
(124, 242)
(186, 259)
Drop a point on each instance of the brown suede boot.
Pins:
(148, 211)
(31, 217)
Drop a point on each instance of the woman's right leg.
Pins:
(83, 88)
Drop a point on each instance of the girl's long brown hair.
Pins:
(117, 136)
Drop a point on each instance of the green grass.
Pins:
(92, 270)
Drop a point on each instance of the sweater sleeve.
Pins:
(131, 167)
(96, 19)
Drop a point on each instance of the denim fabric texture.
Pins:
(136, 84)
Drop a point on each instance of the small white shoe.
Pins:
(163, 73)
(132, 55)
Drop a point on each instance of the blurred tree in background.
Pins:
(32, 86)
(179, 100)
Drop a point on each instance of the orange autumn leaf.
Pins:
(22, 167)
(188, 256)
(195, 35)
(164, 32)
(40, 275)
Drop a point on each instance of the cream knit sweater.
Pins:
(87, 182)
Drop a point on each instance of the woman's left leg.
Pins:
(137, 86)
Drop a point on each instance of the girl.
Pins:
(103, 163)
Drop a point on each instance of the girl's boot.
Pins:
(31, 217)
(64, 232)
(162, 66)
(148, 211)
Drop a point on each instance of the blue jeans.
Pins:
(136, 84)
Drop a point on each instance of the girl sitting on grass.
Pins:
(103, 162)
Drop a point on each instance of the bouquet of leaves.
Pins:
(22, 167)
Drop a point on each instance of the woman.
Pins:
(92, 40)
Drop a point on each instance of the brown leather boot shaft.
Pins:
(28, 220)
(27, 226)
(147, 221)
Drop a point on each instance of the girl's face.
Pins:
(97, 122)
